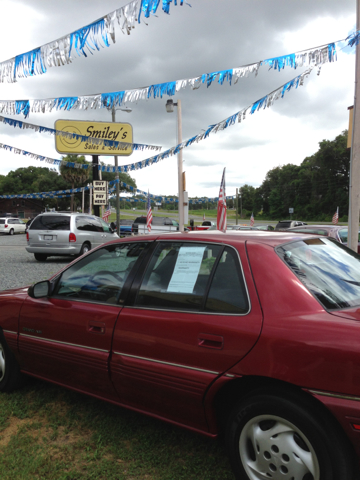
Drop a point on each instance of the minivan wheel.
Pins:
(11, 231)
(85, 248)
(40, 257)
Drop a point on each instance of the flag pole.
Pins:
(354, 198)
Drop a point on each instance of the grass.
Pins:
(47, 432)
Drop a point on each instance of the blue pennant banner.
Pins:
(87, 39)
(266, 101)
(82, 138)
(314, 57)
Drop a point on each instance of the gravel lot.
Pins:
(19, 268)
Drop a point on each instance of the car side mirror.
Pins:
(39, 289)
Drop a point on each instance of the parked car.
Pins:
(340, 233)
(240, 227)
(184, 327)
(283, 225)
(28, 223)
(125, 227)
(158, 225)
(270, 228)
(206, 224)
(58, 233)
(11, 225)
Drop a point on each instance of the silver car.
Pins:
(62, 233)
(11, 225)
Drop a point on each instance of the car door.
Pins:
(66, 337)
(192, 315)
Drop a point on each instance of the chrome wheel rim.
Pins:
(273, 448)
(2, 362)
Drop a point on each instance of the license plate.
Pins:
(48, 237)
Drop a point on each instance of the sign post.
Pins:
(100, 195)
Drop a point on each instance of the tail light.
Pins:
(72, 237)
(6, 225)
(27, 236)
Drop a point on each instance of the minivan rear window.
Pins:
(2, 222)
(51, 222)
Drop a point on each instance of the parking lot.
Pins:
(19, 268)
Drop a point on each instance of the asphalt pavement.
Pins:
(19, 268)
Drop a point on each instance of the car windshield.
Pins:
(343, 234)
(330, 271)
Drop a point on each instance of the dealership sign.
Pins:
(116, 132)
(100, 192)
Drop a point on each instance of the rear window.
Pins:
(329, 270)
(51, 222)
(2, 222)
(140, 220)
(283, 225)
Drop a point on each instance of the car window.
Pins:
(2, 221)
(227, 290)
(179, 276)
(101, 275)
(330, 271)
(105, 226)
(51, 222)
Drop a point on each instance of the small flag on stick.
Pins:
(149, 214)
(252, 220)
(335, 217)
(221, 210)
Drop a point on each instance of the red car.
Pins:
(253, 334)
(339, 232)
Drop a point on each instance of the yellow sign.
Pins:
(118, 132)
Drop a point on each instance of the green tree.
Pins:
(75, 176)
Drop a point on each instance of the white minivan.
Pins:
(11, 225)
(68, 233)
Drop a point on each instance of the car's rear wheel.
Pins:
(10, 375)
(40, 257)
(11, 231)
(86, 247)
(273, 437)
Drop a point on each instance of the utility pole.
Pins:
(237, 204)
(117, 199)
(354, 186)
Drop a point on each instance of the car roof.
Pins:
(310, 227)
(232, 237)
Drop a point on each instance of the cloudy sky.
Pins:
(210, 36)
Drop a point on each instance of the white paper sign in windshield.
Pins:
(186, 269)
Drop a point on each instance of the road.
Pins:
(19, 268)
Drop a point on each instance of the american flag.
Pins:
(204, 217)
(335, 217)
(221, 210)
(252, 220)
(149, 214)
(106, 214)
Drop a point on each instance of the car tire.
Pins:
(40, 257)
(10, 375)
(272, 436)
(11, 231)
(86, 247)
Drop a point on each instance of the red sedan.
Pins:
(339, 232)
(255, 334)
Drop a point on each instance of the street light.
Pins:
(117, 203)
(170, 108)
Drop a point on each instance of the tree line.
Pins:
(313, 189)
(42, 179)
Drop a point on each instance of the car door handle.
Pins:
(207, 340)
(96, 327)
